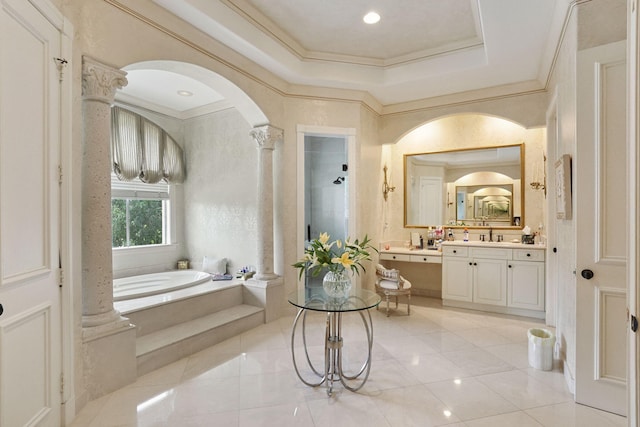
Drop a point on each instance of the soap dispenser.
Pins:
(466, 235)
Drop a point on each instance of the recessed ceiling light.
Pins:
(185, 93)
(371, 18)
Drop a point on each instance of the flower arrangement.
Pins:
(336, 256)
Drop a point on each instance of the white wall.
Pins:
(220, 199)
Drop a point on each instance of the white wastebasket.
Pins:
(541, 343)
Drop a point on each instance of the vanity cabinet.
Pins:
(501, 279)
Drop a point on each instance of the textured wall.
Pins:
(220, 200)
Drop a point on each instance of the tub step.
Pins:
(162, 347)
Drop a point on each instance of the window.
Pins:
(139, 213)
(145, 160)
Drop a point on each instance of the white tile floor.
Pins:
(438, 366)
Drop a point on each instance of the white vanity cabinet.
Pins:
(457, 274)
(494, 277)
(526, 280)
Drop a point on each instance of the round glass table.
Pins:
(358, 300)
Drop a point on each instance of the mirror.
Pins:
(480, 187)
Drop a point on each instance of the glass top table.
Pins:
(318, 300)
(359, 301)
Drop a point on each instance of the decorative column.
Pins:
(265, 289)
(108, 338)
(99, 84)
(266, 137)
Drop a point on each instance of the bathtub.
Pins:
(156, 283)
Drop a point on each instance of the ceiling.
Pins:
(419, 49)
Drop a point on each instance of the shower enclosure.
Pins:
(326, 190)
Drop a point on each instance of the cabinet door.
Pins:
(526, 285)
(490, 281)
(456, 279)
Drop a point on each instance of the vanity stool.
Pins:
(389, 283)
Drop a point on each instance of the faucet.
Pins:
(490, 234)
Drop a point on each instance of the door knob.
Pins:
(1, 309)
(587, 274)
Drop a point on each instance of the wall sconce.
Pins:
(536, 184)
(386, 189)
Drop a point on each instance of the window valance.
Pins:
(141, 149)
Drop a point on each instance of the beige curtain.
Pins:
(141, 149)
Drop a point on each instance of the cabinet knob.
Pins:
(528, 254)
(424, 259)
(475, 263)
(509, 265)
(470, 263)
(455, 252)
(394, 257)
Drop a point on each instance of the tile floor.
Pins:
(439, 366)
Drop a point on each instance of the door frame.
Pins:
(70, 230)
(633, 249)
(551, 294)
(69, 208)
(349, 134)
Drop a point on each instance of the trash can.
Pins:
(541, 343)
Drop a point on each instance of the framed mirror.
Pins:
(480, 187)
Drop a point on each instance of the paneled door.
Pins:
(601, 225)
(30, 337)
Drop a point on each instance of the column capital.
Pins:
(267, 136)
(100, 81)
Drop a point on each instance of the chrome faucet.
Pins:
(490, 234)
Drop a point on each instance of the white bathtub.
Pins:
(156, 283)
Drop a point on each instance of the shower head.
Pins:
(339, 180)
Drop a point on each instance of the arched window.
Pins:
(142, 149)
(146, 160)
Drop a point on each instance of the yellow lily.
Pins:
(344, 260)
(324, 238)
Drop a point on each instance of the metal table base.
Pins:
(333, 343)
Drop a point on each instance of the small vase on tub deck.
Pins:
(336, 284)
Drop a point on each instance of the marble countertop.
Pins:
(409, 251)
(477, 243)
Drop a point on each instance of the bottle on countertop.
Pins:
(466, 235)
(450, 234)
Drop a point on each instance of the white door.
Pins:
(601, 222)
(430, 196)
(30, 355)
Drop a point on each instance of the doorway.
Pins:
(325, 187)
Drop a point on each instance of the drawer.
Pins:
(492, 253)
(528, 255)
(394, 257)
(455, 251)
(426, 259)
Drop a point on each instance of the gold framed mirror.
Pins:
(472, 188)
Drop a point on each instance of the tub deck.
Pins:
(136, 304)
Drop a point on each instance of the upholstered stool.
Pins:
(389, 283)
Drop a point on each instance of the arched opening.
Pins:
(214, 212)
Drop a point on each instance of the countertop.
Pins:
(477, 243)
(408, 251)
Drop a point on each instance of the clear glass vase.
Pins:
(336, 284)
